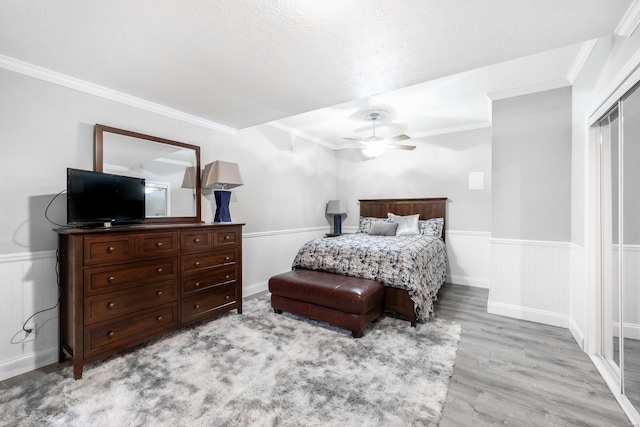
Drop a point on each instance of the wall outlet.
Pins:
(32, 335)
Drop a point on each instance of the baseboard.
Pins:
(532, 315)
(468, 281)
(255, 288)
(577, 333)
(27, 363)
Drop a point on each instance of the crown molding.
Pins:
(526, 90)
(54, 77)
(623, 81)
(581, 59)
(629, 21)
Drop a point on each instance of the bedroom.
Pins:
(47, 126)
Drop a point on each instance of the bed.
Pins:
(411, 268)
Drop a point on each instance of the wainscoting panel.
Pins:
(469, 258)
(267, 254)
(530, 280)
(28, 285)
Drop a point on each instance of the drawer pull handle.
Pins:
(111, 249)
(159, 293)
(110, 333)
(227, 276)
(227, 258)
(196, 240)
(197, 263)
(111, 305)
(159, 244)
(159, 270)
(227, 237)
(197, 284)
(111, 278)
(227, 297)
(159, 318)
(197, 306)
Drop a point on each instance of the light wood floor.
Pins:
(515, 373)
(508, 372)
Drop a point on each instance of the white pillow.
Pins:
(407, 225)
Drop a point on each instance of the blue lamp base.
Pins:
(222, 206)
(337, 224)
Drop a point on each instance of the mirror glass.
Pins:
(629, 248)
(173, 190)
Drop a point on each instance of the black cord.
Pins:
(24, 325)
(47, 209)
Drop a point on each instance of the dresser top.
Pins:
(145, 227)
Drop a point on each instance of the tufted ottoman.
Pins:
(346, 302)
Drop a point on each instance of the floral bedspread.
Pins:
(415, 263)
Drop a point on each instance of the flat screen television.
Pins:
(96, 198)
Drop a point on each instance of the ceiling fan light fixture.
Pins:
(374, 151)
(375, 146)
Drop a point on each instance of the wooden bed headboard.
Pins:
(427, 208)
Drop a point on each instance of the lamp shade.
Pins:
(221, 175)
(336, 207)
(189, 180)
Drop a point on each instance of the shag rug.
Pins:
(253, 369)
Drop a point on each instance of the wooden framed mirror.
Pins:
(167, 166)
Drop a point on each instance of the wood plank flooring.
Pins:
(511, 372)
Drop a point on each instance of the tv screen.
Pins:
(96, 197)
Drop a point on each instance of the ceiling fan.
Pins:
(374, 146)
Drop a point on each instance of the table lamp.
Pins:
(337, 209)
(221, 176)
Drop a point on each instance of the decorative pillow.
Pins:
(365, 223)
(407, 225)
(431, 227)
(383, 228)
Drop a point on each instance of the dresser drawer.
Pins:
(226, 237)
(108, 279)
(200, 281)
(158, 244)
(130, 330)
(207, 260)
(202, 304)
(109, 249)
(103, 307)
(194, 241)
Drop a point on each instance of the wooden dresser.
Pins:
(125, 286)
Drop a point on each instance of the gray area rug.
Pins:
(254, 369)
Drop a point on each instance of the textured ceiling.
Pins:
(243, 63)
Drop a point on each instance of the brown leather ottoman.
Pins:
(346, 302)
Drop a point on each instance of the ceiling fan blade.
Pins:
(354, 139)
(400, 147)
(399, 138)
(349, 148)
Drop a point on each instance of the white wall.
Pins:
(531, 161)
(45, 128)
(531, 206)
(438, 167)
